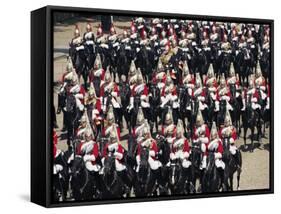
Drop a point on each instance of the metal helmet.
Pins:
(88, 27)
(139, 77)
(110, 118)
(214, 132)
(232, 70)
(169, 117)
(258, 70)
(107, 76)
(199, 119)
(185, 69)
(198, 81)
(210, 72)
(113, 136)
(140, 117)
(227, 120)
(180, 129)
(251, 82)
(222, 81)
(69, 65)
(76, 31)
(146, 130)
(99, 31)
(112, 30)
(92, 91)
(133, 68)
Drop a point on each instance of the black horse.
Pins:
(72, 116)
(79, 180)
(211, 182)
(236, 103)
(123, 62)
(145, 180)
(231, 166)
(61, 179)
(250, 120)
(113, 186)
(196, 172)
(154, 101)
(144, 62)
(125, 94)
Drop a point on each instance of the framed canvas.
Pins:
(131, 106)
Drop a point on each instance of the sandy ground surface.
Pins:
(255, 169)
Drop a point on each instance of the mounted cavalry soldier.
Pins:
(224, 93)
(228, 132)
(139, 95)
(116, 149)
(201, 137)
(109, 93)
(56, 152)
(89, 38)
(77, 41)
(132, 75)
(93, 104)
(180, 148)
(211, 86)
(151, 144)
(110, 124)
(199, 93)
(169, 94)
(169, 128)
(251, 96)
(216, 146)
(160, 75)
(188, 79)
(260, 82)
(97, 74)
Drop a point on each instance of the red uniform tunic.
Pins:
(218, 147)
(233, 134)
(92, 75)
(174, 91)
(185, 147)
(102, 89)
(135, 88)
(153, 148)
(120, 150)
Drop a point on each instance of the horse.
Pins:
(182, 96)
(122, 64)
(230, 166)
(79, 180)
(125, 94)
(236, 103)
(196, 173)
(113, 186)
(79, 62)
(221, 113)
(210, 180)
(225, 60)
(144, 61)
(211, 114)
(154, 101)
(72, 117)
(144, 177)
(250, 121)
(265, 63)
(61, 179)
(177, 180)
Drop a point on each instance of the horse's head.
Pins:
(210, 161)
(155, 93)
(77, 166)
(196, 155)
(109, 165)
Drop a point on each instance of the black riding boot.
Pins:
(221, 174)
(236, 159)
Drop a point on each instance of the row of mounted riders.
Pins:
(75, 182)
(221, 50)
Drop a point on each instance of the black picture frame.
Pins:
(41, 103)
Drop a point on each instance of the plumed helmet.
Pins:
(140, 117)
(180, 129)
(198, 81)
(185, 68)
(99, 31)
(214, 132)
(169, 117)
(199, 118)
(211, 71)
(139, 77)
(113, 136)
(258, 70)
(232, 70)
(98, 64)
(76, 31)
(107, 76)
(69, 65)
(88, 27)
(110, 115)
(227, 120)
(112, 30)
(222, 80)
(133, 68)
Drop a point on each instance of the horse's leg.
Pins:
(245, 135)
(231, 182)
(252, 137)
